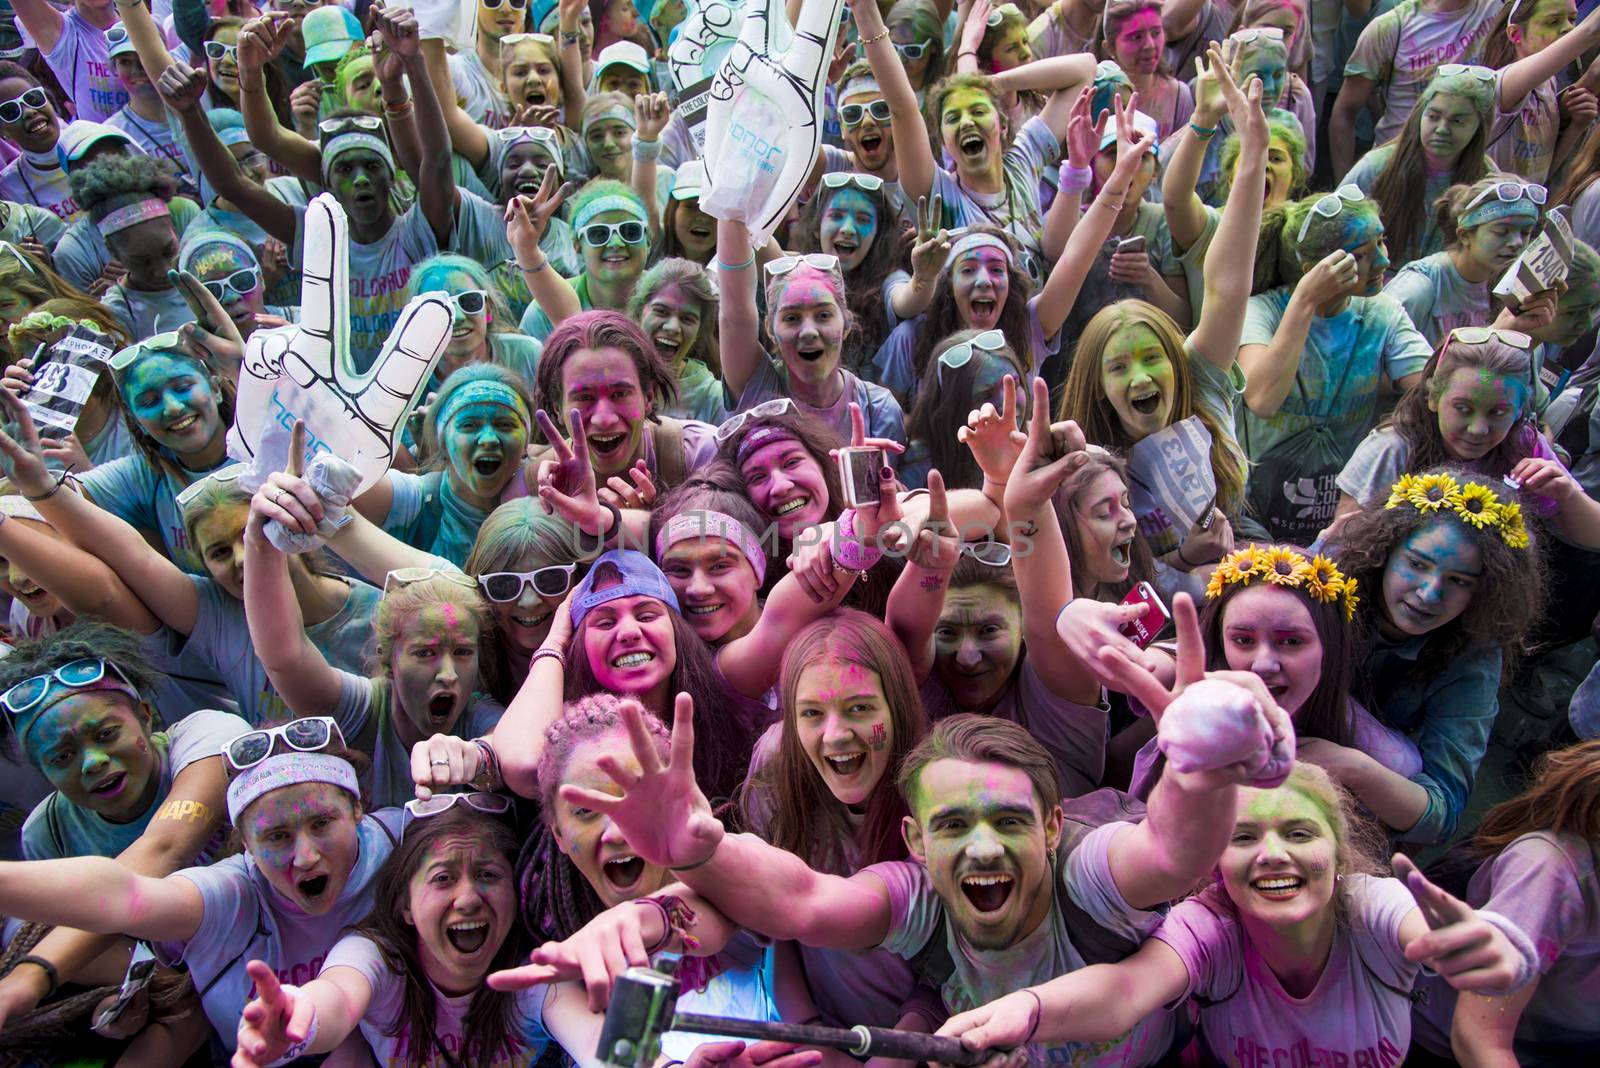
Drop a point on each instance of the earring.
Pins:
(488, 316)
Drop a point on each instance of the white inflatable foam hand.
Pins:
(306, 371)
(763, 128)
(703, 41)
(453, 21)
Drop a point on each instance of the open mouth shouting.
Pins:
(31, 594)
(701, 231)
(845, 247)
(973, 147)
(441, 708)
(810, 351)
(312, 887)
(870, 143)
(488, 464)
(607, 447)
(467, 936)
(623, 872)
(529, 187)
(1122, 553)
(987, 891)
(667, 342)
(985, 311)
(1146, 403)
(846, 765)
(1278, 887)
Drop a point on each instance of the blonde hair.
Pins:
(401, 603)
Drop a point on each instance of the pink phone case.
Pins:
(1143, 631)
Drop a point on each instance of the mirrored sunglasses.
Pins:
(75, 675)
(311, 734)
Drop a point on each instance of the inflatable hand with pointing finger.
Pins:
(306, 371)
(703, 41)
(763, 126)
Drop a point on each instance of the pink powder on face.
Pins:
(879, 737)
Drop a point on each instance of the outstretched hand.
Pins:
(21, 449)
(1050, 453)
(273, 1024)
(1469, 952)
(662, 812)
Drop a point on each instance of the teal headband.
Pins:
(615, 111)
(601, 205)
(341, 143)
(483, 391)
(1494, 208)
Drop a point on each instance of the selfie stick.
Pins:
(643, 1004)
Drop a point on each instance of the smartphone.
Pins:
(1131, 244)
(861, 470)
(1209, 516)
(1143, 631)
(141, 969)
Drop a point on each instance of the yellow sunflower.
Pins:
(1400, 493)
(1512, 528)
(1350, 599)
(1429, 493)
(1478, 505)
(1284, 567)
(1325, 580)
(1241, 565)
(1216, 584)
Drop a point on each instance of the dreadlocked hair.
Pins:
(492, 1026)
(112, 182)
(556, 899)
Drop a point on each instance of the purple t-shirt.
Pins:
(916, 915)
(1546, 884)
(1359, 1012)
(81, 64)
(1075, 735)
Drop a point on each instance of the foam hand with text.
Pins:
(305, 371)
(763, 125)
(702, 41)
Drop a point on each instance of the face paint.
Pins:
(671, 320)
(786, 483)
(980, 281)
(433, 670)
(462, 900)
(610, 144)
(1280, 171)
(1489, 249)
(1551, 21)
(524, 623)
(1430, 578)
(970, 127)
(716, 586)
(225, 71)
(809, 327)
(88, 747)
(304, 840)
(1279, 866)
(1477, 409)
(496, 22)
(618, 263)
(590, 839)
(531, 76)
(603, 385)
(631, 646)
(359, 80)
(221, 261)
(986, 844)
(848, 226)
(173, 401)
(361, 183)
(1104, 517)
(977, 644)
(1271, 65)
(904, 33)
(1140, 42)
(624, 80)
(219, 539)
(1269, 631)
(842, 722)
(1139, 380)
(1363, 238)
(1449, 123)
(1011, 50)
(484, 445)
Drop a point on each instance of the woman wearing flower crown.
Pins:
(1450, 586)
(1287, 618)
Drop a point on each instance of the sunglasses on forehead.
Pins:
(347, 123)
(311, 734)
(957, 356)
(764, 410)
(410, 576)
(818, 261)
(1478, 335)
(74, 675)
(488, 804)
(1330, 206)
(871, 183)
(1510, 193)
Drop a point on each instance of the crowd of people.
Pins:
(1056, 593)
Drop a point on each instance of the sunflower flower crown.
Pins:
(1279, 565)
(1473, 503)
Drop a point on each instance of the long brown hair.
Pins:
(1141, 564)
(1401, 188)
(943, 317)
(1583, 173)
(1084, 400)
(492, 1025)
(942, 405)
(805, 818)
(1416, 421)
(1563, 798)
(890, 252)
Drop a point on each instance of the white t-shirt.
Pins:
(81, 64)
(1401, 48)
(24, 182)
(1358, 1014)
(361, 954)
(244, 919)
(1437, 298)
(59, 827)
(1523, 142)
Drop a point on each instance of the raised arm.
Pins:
(467, 136)
(1518, 79)
(1063, 77)
(44, 22)
(1060, 291)
(917, 598)
(665, 817)
(1269, 369)
(182, 87)
(739, 325)
(436, 182)
(101, 895)
(308, 684)
(83, 582)
(260, 42)
(1185, 211)
(573, 76)
(650, 114)
(1231, 259)
(526, 220)
(913, 156)
(155, 580)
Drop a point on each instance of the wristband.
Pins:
(849, 551)
(548, 652)
(544, 261)
(489, 761)
(1529, 964)
(1204, 133)
(51, 492)
(745, 266)
(1038, 1014)
(50, 973)
(400, 110)
(699, 863)
(568, 39)
(646, 151)
(676, 916)
(616, 520)
(1076, 179)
